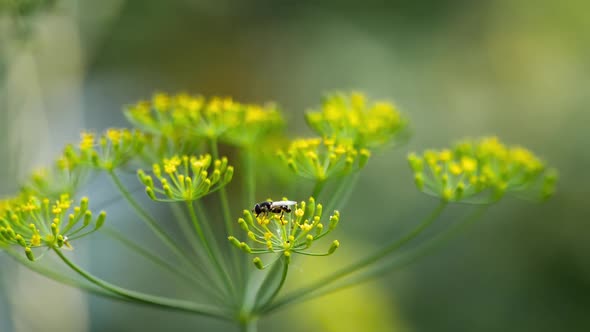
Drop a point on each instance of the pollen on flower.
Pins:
(473, 168)
(314, 159)
(468, 164)
(287, 233)
(87, 141)
(33, 222)
(36, 240)
(171, 164)
(115, 148)
(351, 118)
(445, 155)
(161, 102)
(299, 213)
(455, 169)
(183, 121)
(186, 178)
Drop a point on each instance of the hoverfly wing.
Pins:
(67, 245)
(283, 203)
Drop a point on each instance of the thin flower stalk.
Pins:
(180, 305)
(368, 261)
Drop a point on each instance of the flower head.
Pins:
(320, 159)
(351, 118)
(66, 175)
(253, 124)
(186, 178)
(286, 233)
(116, 147)
(32, 222)
(474, 168)
(185, 120)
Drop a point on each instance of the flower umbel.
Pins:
(320, 159)
(114, 148)
(475, 167)
(33, 222)
(66, 175)
(350, 118)
(186, 120)
(186, 178)
(252, 124)
(287, 233)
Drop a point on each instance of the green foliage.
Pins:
(174, 149)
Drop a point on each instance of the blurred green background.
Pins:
(518, 69)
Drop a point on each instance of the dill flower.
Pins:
(115, 148)
(186, 178)
(320, 159)
(252, 124)
(351, 118)
(39, 222)
(287, 233)
(185, 120)
(165, 115)
(476, 167)
(66, 175)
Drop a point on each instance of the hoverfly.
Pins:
(273, 207)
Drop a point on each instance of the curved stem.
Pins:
(249, 325)
(281, 282)
(409, 258)
(223, 194)
(140, 297)
(360, 264)
(227, 218)
(152, 224)
(170, 268)
(197, 246)
(187, 231)
(249, 176)
(58, 277)
(249, 180)
(342, 193)
(221, 271)
(317, 189)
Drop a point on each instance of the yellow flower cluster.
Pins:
(351, 118)
(320, 159)
(31, 222)
(114, 148)
(186, 178)
(286, 233)
(66, 175)
(185, 120)
(475, 167)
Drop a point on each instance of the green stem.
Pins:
(214, 259)
(185, 228)
(223, 194)
(58, 277)
(249, 181)
(360, 264)
(140, 297)
(151, 223)
(317, 189)
(409, 258)
(342, 192)
(249, 175)
(227, 218)
(281, 282)
(170, 268)
(208, 232)
(249, 325)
